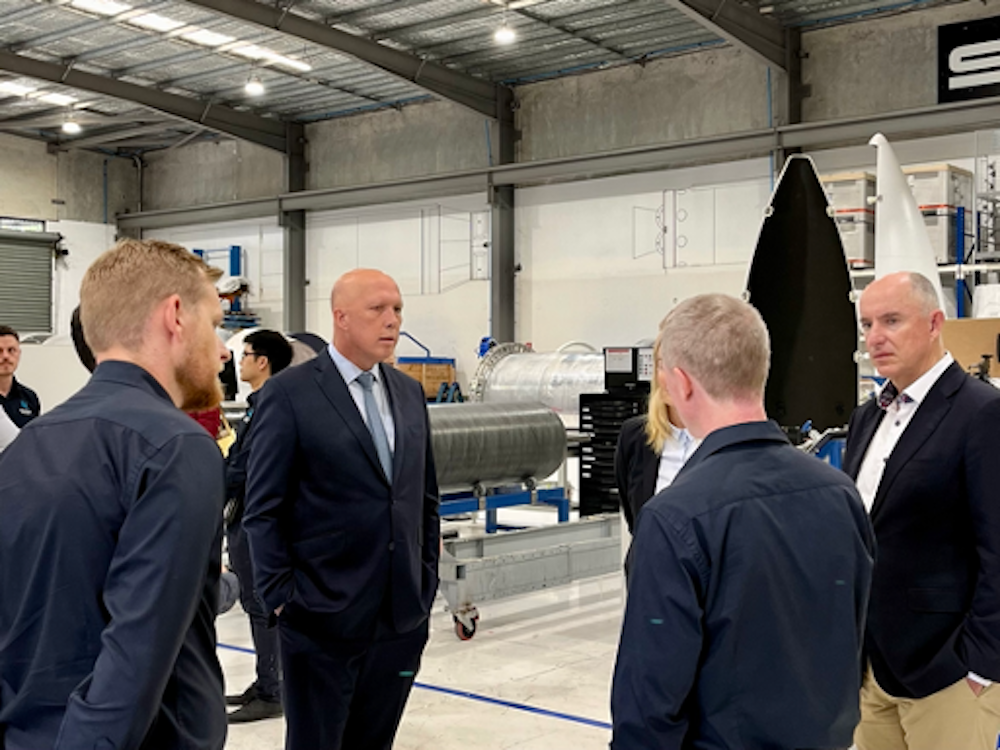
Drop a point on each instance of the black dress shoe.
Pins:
(243, 698)
(256, 710)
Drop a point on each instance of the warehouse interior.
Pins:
(562, 190)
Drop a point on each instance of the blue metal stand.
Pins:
(503, 497)
(960, 259)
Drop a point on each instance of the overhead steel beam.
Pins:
(253, 209)
(264, 132)
(480, 96)
(112, 136)
(57, 116)
(762, 37)
(928, 121)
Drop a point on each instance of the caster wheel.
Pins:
(464, 633)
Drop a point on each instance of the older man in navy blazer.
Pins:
(924, 457)
(342, 518)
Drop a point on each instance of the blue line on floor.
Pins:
(518, 706)
(482, 698)
(236, 648)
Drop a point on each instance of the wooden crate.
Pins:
(430, 373)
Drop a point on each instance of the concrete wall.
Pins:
(211, 172)
(882, 65)
(417, 140)
(710, 93)
(64, 186)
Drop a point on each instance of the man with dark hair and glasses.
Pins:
(265, 353)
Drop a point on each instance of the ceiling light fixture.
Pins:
(505, 34)
(156, 22)
(103, 7)
(254, 87)
(51, 97)
(9, 87)
(208, 38)
(71, 127)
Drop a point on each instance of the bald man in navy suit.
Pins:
(342, 518)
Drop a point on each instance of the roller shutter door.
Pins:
(26, 280)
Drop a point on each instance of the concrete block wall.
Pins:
(63, 186)
(211, 172)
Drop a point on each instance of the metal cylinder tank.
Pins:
(513, 373)
(494, 444)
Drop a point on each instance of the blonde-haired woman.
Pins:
(652, 448)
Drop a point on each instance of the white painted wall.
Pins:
(85, 242)
(436, 253)
(262, 258)
(52, 370)
(603, 261)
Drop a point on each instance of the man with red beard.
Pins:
(110, 544)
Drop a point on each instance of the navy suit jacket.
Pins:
(935, 603)
(636, 469)
(329, 535)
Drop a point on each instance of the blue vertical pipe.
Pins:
(105, 191)
(960, 258)
(235, 269)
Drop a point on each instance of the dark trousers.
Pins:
(345, 694)
(265, 640)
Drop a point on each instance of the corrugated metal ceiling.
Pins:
(208, 57)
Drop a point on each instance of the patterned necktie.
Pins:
(889, 394)
(375, 426)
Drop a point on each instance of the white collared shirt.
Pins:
(892, 427)
(349, 372)
(677, 449)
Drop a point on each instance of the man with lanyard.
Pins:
(265, 353)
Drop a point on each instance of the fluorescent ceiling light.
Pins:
(104, 7)
(292, 63)
(9, 87)
(255, 52)
(254, 87)
(208, 38)
(62, 100)
(71, 127)
(504, 35)
(156, 22)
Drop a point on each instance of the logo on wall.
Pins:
(969, 60)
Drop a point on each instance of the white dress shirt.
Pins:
(677, 449)
(892, 427)
(350, 371)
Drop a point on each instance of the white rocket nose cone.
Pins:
(901, 239)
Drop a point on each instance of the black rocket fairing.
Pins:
(799, 281)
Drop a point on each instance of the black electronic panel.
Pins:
(800, 284)
(601, 417)
(628, 368)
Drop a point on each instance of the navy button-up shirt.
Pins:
(747, 595)
(110, 554)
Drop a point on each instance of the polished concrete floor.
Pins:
(536, 676)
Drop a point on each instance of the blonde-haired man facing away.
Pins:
(110, 540)
(749, 574)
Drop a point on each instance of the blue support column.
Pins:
(960, 259)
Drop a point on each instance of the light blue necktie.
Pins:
(375, 426)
